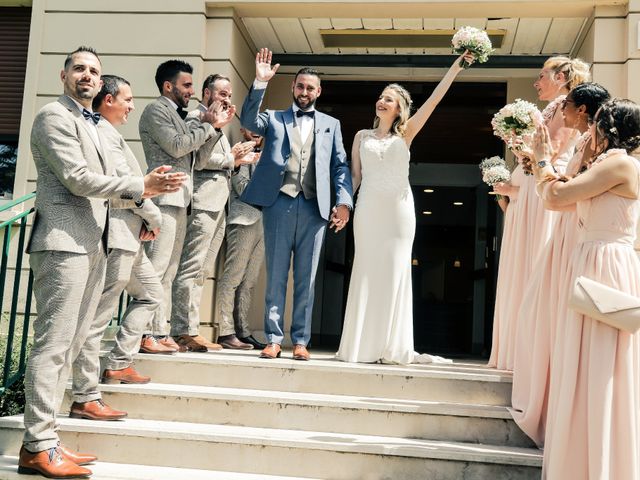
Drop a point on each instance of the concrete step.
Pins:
(488, 424)
(122, 471)
(458, 382)
(285, 452)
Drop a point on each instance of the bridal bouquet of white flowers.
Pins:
(475, 40)
(514, 121)
(494, 170)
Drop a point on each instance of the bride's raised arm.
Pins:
(417, 121)
(356, 166)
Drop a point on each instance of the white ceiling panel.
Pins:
(348, 23)
(408, 24)
(262, 33)
(379, 24)
(480, 23)
(508, 24)
(312, 27)
(438, 24)
(530, 35)
(562, 35)
(291, 35)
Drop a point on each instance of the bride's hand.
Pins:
(339, 217)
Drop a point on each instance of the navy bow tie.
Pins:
(89, 115)
(182, 112)
(308, 113)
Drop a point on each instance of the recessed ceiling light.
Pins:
(426, 212)
(428, 190)
(457, 204)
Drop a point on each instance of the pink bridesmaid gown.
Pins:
(539, 313)
(530, 229)
(593, 425)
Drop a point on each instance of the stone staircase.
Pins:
(233, 416)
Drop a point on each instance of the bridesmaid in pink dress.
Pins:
(593, 425)
(544, 304)
(527, 228)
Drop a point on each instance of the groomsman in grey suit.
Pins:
(166, 138)
(127, 267)
(67, 250)
(206, 224)
(243, 261)
(303, 157)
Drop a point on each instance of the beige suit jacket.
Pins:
(168, 140)
(125, 224)
(74, 181)
(214, 163)
(241, 213)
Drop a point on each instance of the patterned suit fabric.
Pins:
(67, 253)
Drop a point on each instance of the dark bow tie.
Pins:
(182, 112)
(89, 115)
(308, 113)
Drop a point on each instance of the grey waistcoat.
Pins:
(300, 175)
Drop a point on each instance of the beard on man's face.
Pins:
(178, 97)
(303, 104)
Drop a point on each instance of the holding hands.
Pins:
(339, 217)
(264, 71)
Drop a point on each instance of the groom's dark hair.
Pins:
(308, 71)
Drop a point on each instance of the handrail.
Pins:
(11, 375)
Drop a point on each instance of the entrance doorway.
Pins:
(454, 266)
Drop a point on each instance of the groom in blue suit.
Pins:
(302, 155)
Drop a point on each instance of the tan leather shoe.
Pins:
(95, 410)
(75, 457)
(150, 344)
(300, 352)
(124, 375)
(272, 350)
(169, 342)
(51, 464)
(232, 342)
(189, 344)
(203, 341)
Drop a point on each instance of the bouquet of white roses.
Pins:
(514, 121)
(475, 40)
(494, 170)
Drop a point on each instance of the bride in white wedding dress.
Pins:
(378, 325)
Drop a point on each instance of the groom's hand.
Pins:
(264, 72)
(339, 217)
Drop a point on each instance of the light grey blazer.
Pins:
(74, 181)
(125, 224)
(213, 165)
(241, 213)
(167, 140)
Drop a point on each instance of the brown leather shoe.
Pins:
(232, 342)
(150, 344)
(210, 345)
(51, 464)
(169, 342)
(300, 352)
(272, 350)
(124, 375)
(75, 457)
(188, 343)
(95, 410)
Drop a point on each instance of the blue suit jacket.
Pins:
(277, 126)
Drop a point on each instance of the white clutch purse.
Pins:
(606, 304)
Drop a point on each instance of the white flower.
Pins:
(475, 40)
(496, 174)
(514, 121)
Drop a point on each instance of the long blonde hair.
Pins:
(575, 70)
(399, 126)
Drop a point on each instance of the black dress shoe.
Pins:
(252, 341)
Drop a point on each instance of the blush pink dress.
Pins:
(545, 303)
(593, 424)
(528, 230)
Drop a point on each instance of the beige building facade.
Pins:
(133, 37)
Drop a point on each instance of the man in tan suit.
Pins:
(67, 250)
(206, 225)
(127, 268)
(166, 138)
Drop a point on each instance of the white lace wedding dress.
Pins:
(378, 325)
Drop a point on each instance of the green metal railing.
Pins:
(11, 373)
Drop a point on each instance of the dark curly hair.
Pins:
(591, 95)
(618, 122)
